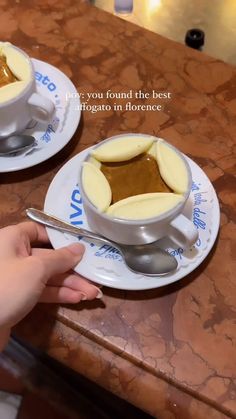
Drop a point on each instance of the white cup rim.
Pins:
(166, 216)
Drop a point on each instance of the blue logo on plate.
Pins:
(77, 207)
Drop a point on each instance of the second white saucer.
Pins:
(51, 137)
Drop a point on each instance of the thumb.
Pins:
(61, 260)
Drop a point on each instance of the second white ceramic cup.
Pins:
(16, 113)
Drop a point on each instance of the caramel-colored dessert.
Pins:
(136, 177)
(6, 76)
(127, 178)
(15, 72)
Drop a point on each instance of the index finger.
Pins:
(26, 232)
(18, 238)
(35, 232)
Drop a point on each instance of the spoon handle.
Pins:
(58, 224)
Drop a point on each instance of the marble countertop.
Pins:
(170, 351)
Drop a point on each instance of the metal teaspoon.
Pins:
(15, 143)
(147, 259)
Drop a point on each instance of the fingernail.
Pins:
(99, 294)
(76, 248)
(83, 297)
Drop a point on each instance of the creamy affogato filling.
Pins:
(134, 177)
(6, 75)
(127, 178)
(15, 72)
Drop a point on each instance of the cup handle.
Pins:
(182, 231)
(42, 108)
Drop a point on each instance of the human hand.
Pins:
(31, 274)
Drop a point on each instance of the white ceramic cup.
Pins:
(27, 105)
(172, 223)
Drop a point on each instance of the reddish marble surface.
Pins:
(170, 351)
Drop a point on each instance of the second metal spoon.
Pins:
(15, 143)
(146, 259)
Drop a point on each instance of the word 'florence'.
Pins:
(116, 107)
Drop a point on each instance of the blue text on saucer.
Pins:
(45, 80)
(76, 207)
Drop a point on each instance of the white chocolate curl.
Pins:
(144, 206)
(122, 149)
(96, 186)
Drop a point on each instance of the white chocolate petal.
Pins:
(19, 66)
(172, 168)
(144, 206)
(96, 187)
(94, 161)
(122, 149)
(17, 62)
(153, 150)
(11, 90)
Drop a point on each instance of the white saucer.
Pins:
(51, 137)
(104, 265)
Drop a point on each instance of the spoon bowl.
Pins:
(147, 259)
(15, 143)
